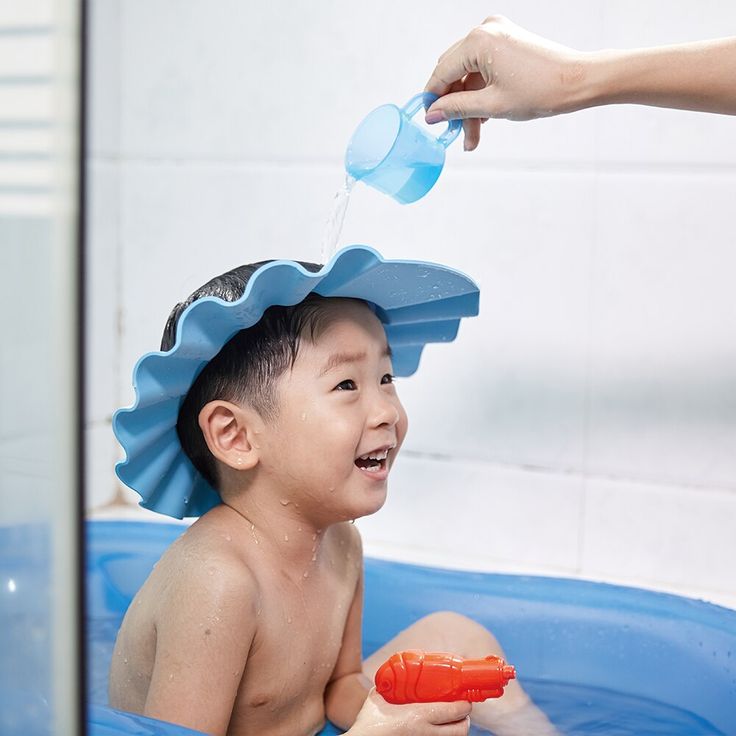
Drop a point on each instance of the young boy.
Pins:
(251, 621)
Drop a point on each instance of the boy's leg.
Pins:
(512, 715)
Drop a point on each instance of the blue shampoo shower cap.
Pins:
(417, 303)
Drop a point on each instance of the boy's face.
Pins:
(336, 408)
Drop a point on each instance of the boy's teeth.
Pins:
(375, 456)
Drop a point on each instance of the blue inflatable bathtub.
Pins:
(599, 659)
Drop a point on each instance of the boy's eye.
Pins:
(388, 378)
(347, 385)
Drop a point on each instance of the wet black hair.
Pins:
(246, 368)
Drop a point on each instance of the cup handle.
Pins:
(424, 100)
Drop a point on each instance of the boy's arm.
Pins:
(204, 632)
(348, 695)
(347, 690)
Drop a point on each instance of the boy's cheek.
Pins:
(403, 426)
(401, 429)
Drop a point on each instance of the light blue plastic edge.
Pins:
(417, 303)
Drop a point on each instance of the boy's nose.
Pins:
(386, 411)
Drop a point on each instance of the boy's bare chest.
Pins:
(298, 639)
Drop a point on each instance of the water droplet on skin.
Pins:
(285, 502)
(306, 574)
(314, 557)
(171, 677)
(125, 661)
(314, 536)
(304, 416)
(288, 620)
(228, 538)
(286, 537)
(332, 489)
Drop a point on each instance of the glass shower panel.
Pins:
(39, 356)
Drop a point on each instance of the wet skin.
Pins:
(255, 612)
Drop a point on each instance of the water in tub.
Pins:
(576, 710)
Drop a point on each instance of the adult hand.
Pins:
(379, 718)
(500, 70)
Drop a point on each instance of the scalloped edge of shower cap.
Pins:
(417, 303)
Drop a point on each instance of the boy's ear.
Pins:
(229, 431)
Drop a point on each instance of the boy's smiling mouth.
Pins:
(375, 462)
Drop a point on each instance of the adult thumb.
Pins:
(458, 106)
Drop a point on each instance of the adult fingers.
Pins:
(459, 106)
(453, 65)
(471, 128)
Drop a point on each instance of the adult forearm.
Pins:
(692, 76)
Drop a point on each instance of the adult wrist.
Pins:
(601, 79)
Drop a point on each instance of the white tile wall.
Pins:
(105, 41)
(665, 536)
(663, 354)
(101, 454)
(592, 401)
(469, 515)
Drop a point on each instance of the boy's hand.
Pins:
(379, 718)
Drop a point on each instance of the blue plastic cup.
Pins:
(393, 154)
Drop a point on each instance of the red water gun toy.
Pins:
(415, 676)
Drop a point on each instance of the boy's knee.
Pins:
(460, 631)
(450, 619)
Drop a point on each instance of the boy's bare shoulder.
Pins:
(207, 564)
